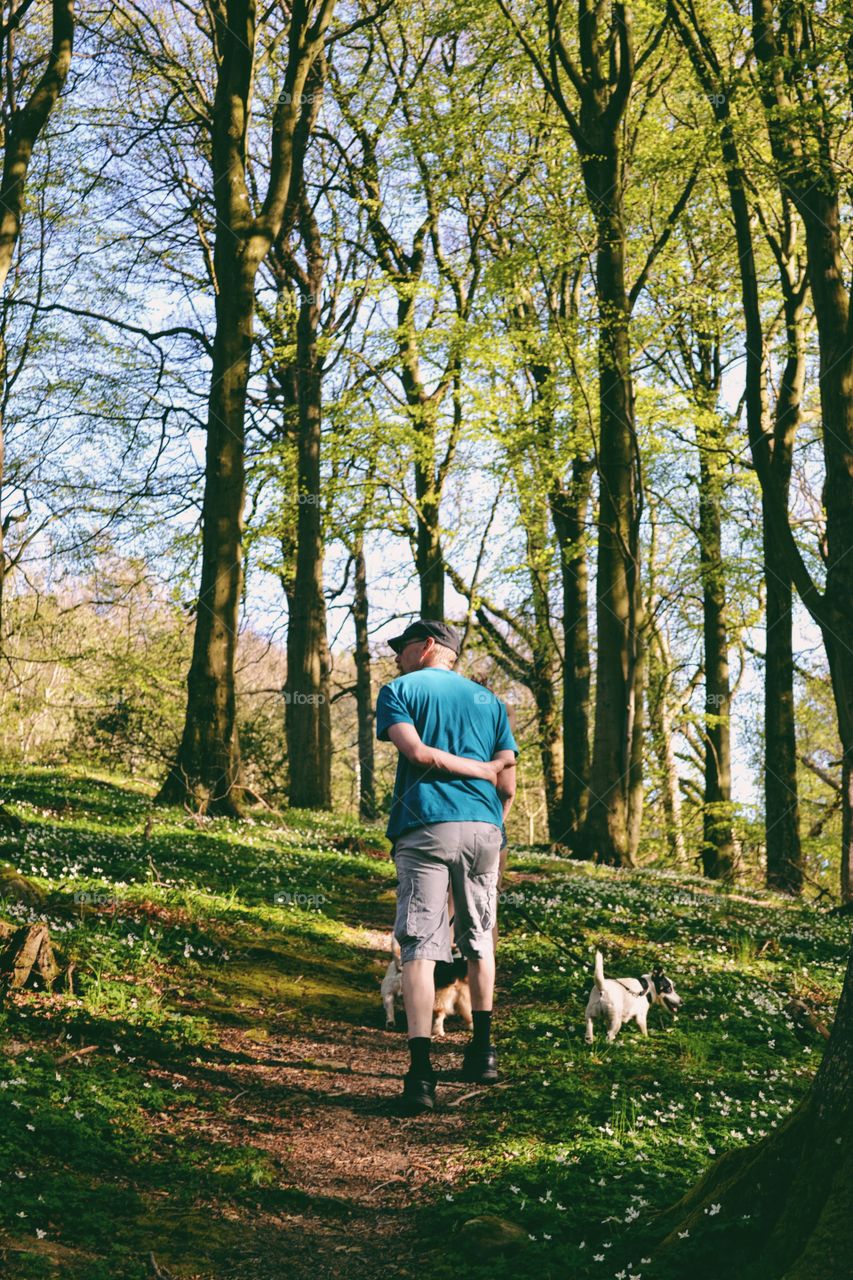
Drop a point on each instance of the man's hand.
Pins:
(497, 767)
(407, 740)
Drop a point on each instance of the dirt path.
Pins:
(321, 1103)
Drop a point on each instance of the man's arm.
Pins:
(506, 780)
(407, 740)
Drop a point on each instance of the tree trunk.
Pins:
(363, 692)
(783, 1206)
(534, 516)
(206, 770)
(569, 511)
(404, 272)
(598, 62)
(660, 720)
(605, 834)
(718, 841)
(847, 827)
(306, 692)
(429, 556)
(781, 798)
(635, 772)
(791, 93)
(23, 125)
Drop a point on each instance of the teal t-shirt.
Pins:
(455, 715)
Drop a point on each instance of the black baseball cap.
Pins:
(422, 630)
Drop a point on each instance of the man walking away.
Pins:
(454, 787)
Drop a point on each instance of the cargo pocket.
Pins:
(486, 853)
(417, 917)
(484, 900)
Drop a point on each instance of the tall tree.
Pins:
(800, 131)
(602, 78)
(551, 457)
(602, 81)
(307, 708)
(22, 123)
(781, 791)
(206, 769)
(698, 330)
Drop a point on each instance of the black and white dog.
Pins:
(621, 999)
(452, 993)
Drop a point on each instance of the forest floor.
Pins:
(216, 1099)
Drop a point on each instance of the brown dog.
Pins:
(452, 993)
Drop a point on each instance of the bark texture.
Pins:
(206, 771)
(363, 691)
(784, 1205)
(307, 694)
(23, 125)
(781, 791)
(570, 512)
(718, 841)
(603, 82)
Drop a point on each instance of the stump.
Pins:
(18, 888)
(27, 954)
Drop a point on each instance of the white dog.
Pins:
(621, 999)
(392, 986)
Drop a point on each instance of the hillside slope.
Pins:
(215, 1099)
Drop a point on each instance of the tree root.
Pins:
(776, 1211)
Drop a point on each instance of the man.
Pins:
(454, 787)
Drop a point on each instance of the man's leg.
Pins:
(419, 996)
(423, 932)
(481, 978)
(501, 870)
(474, 877)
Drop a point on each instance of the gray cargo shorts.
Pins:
(465, 854)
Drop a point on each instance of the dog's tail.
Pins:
(599, 970)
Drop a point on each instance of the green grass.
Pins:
(580, 1148)
(594, 1140)
(180, 934)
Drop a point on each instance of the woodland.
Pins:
(320, 316)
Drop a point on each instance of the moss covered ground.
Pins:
(206, 1100)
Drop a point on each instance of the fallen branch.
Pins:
(76, 1053)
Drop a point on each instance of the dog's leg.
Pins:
(590, 1033)
(390, 1018)
(614, 1022)
(438, 1026)
(463, 1006)
(641, 1022)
